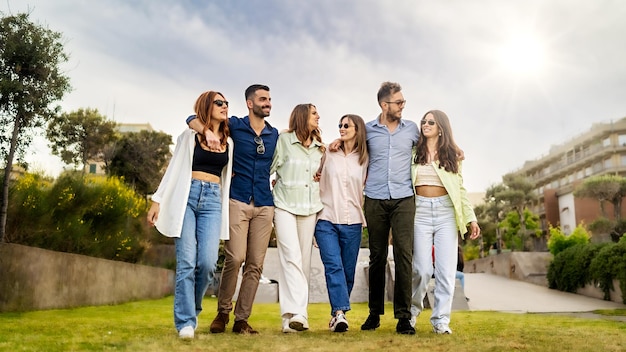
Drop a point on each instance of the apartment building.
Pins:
(97, 166)
(599, 151)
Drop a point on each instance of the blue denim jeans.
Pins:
(339, 248)
(435, 224)
(196, 251)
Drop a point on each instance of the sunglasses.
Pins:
(430, 122)
(220, 103)
(260, 148)
(345, 126)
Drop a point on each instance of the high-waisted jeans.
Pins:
(197, 251)
(435, 224)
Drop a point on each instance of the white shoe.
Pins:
(338, 323)
(442, 329)
(286, 328)
(298, 322)
(413, 320)
(186, 332)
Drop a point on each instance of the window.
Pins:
(93, 168)
(623, 159)
(607, 163)
(606, 142)
(581, 173)
(588, 171)
(621, 140)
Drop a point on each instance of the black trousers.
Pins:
(398, 216)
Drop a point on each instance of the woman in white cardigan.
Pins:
(191, 205)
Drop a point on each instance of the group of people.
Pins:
(402, 182)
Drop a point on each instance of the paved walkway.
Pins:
(493, 292)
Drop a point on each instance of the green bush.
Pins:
(558, 241)
(610, 264)
(569, 270)
(95, 216)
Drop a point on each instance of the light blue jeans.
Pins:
(197, 251)
(339, 248)
(435, 224)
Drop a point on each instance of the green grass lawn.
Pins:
(148, 326)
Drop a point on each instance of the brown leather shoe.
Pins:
(219, 323)
(242, 327)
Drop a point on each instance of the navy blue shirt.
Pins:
(251, 170)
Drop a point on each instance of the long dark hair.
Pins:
(204, 110)
(447, 150)
(299, 123)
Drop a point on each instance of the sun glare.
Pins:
(522, 55)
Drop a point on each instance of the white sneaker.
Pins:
(286, 328)
(413, 320)
(338, 323)
(186, 332)
(442, 329)
(298, 322)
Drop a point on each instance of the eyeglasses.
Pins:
(220, 103)
(260, 148)
(430, 122)
(345, 126)
(399, 102)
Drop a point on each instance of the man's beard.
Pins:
(258, 111)
(394, 117)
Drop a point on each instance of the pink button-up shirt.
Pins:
(341, 188)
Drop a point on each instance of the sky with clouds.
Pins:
(515, 77)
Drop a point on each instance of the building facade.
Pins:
(599, 151)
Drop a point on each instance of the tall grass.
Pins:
(148, 326)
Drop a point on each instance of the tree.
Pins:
(30, 81)
(140, 158)
(611, 188)
(490, 215)
(80, 136)
(517, 193)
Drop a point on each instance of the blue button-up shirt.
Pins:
(251, 170)
(389, 170)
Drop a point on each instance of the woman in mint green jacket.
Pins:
(296, 193)
(442, 212)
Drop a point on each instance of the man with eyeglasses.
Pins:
(389, 205)
(251, 207)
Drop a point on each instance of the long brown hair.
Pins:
(299, 123)
(447, 150)
(360, 143)
(204, 110)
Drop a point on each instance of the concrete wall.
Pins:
(33, 278)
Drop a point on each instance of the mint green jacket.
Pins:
(453, 184)
(295, 166)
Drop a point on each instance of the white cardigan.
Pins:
(173, 191)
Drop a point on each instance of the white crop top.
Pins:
(427, 176)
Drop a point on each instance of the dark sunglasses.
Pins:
(345, 125)
(220, 103)
(430, 122)
(260, 148)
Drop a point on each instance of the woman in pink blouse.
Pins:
(340, 223)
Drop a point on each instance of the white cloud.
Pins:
(147, 61)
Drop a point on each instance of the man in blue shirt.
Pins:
(251, 208)
(390, 205)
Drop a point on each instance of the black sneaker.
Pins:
(372, 322)
(404, 327)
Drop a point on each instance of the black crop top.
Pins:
(208, 161)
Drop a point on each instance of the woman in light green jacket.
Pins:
(442, 212)
(297, 199)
